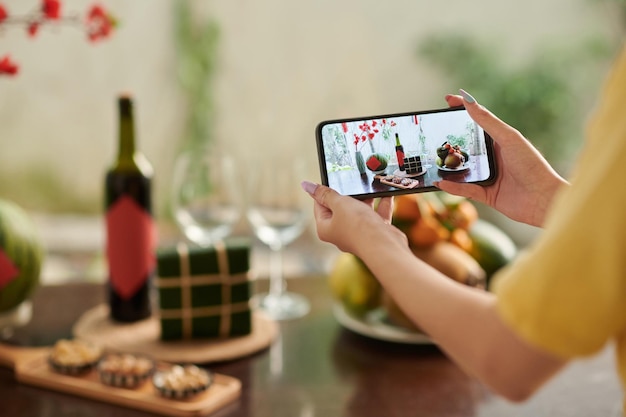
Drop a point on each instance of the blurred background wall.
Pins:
(278, 69)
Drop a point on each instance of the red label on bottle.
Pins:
(400, 157)
(8, 270)
(130, 246)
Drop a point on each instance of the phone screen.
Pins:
(403, 153)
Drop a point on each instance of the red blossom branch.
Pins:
(98, 24)
(367, 132)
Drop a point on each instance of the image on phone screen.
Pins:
(403, 153)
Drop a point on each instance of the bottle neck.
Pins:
(126, 135)
(398, 140)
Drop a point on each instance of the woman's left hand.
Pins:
(349, 223)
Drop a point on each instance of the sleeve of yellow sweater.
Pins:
(567, 292)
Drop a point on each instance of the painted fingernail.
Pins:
(467, 96)
(309, 187)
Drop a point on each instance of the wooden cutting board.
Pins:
(31, 367)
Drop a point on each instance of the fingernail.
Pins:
(467, 96)
(309, 187)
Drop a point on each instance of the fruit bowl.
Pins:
(451, 157)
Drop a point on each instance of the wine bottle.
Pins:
(129, 225)
(399, 153)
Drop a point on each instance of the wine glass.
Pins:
(278, 215)
(205, 195)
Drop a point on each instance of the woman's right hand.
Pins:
(525, 184)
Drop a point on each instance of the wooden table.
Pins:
(318, 368)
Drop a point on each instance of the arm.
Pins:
(461, 320)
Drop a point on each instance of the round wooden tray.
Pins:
(96, 327)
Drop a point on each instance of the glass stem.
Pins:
(277, 282)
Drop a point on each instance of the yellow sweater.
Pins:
(567, 292)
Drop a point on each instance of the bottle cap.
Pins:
(125, 104)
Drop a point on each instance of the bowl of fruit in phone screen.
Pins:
(451, 157)
(446, 233)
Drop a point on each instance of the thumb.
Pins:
(471, 191)
(322, 194)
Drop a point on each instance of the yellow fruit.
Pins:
(453, 262)
(352, 284)
(453, 160)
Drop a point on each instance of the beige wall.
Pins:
(283, 67)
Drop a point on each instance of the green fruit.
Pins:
(21, 249)
(442, 152)
(491, 247)
(439, 162)
(353, 285)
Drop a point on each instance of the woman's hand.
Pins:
(525, 184)
(349, 223)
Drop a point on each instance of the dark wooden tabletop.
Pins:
(318, 368)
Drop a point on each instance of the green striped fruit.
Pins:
(491, 247)
(21, 256)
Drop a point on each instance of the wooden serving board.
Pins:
(144, 336)
(382, 178)
(31, 367)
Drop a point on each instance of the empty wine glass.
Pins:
(278, 214)
(205, 195)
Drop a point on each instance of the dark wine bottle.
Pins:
(129, 226)
(399, 153)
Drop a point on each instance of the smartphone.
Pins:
(376, 156)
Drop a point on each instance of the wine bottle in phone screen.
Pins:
(399, 153)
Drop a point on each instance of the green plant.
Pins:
(336, 151)
(196, 48)
(538, 98)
